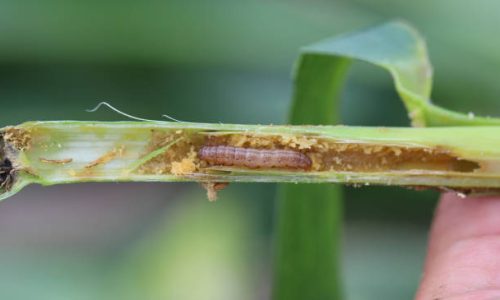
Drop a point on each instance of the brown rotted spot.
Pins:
(7, 175)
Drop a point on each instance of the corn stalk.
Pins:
(58, 152)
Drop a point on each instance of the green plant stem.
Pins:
(84, 142)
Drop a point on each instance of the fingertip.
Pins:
(463, 247)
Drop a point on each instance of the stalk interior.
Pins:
(326, 154)
(50, 153)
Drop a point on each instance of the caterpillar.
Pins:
(254, 158)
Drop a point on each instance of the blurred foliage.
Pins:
(225, 61)
(199, 250)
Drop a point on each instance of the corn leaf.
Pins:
(309, 216)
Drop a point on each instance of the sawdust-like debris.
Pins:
(17, 137)
(212, 189)
(187, 165)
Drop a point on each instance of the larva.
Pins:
(254, 158)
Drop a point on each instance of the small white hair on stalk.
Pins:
(100, 104)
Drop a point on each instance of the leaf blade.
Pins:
(398, 48)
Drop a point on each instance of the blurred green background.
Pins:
(211, 61)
